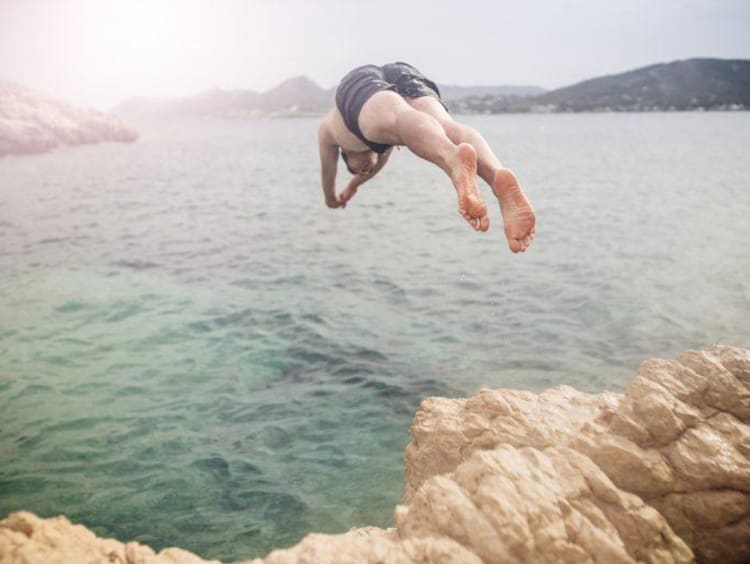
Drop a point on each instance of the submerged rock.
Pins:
(660, 473)
(34, 123)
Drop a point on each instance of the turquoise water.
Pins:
(195, 351)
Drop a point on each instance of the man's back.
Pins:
(334, 129)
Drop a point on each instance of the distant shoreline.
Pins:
(735, 108)
(169, 117)
(691, 85)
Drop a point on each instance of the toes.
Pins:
(519, 245)
(475, 222)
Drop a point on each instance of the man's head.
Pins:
(360, 163)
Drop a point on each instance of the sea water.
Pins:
(195, 351)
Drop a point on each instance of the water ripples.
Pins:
(200, 353)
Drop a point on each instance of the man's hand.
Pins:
(349, 192)
(357, 180)
(334, 203)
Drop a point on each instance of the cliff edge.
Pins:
(660, 473)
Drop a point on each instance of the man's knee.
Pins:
(456, 131)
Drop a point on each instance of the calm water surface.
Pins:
(195, 351)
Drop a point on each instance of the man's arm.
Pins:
(357, 181)
(329, 156)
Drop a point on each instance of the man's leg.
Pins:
(387, 118)
(518, 215)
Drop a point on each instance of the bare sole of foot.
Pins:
(518, 215)
(464, 177)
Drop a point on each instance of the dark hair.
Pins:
(346, 162)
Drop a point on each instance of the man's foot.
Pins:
(518, 215)
(464, 177)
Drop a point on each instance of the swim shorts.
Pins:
(361, 83)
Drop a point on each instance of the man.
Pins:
(378, 108)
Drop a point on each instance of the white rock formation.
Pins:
(27, 539)
(510, 505)
(678, 439)
(34, 123)
(659, 474)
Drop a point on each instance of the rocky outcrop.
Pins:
(678, 439)
(658, 474)
(33, 123)
(513, 505)
(27, 539)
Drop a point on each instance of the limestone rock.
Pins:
(509, 505)
(371, 546)
(34, 123)
(27, 539)
(678, 438)
(447, 431)
(520, 505)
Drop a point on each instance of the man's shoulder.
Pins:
(328, 117)
(327, 126)
(333, 130)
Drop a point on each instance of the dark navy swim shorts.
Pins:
(361, 83)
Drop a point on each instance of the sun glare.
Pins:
(137, 36)
(150, 47)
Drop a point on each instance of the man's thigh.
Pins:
(378, 119)
(430, 106)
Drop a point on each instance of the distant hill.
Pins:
(709, 84)
(299, 93)
(293, 97)
(693, 84)
(31, 122)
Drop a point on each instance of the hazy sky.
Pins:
(98, 52)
